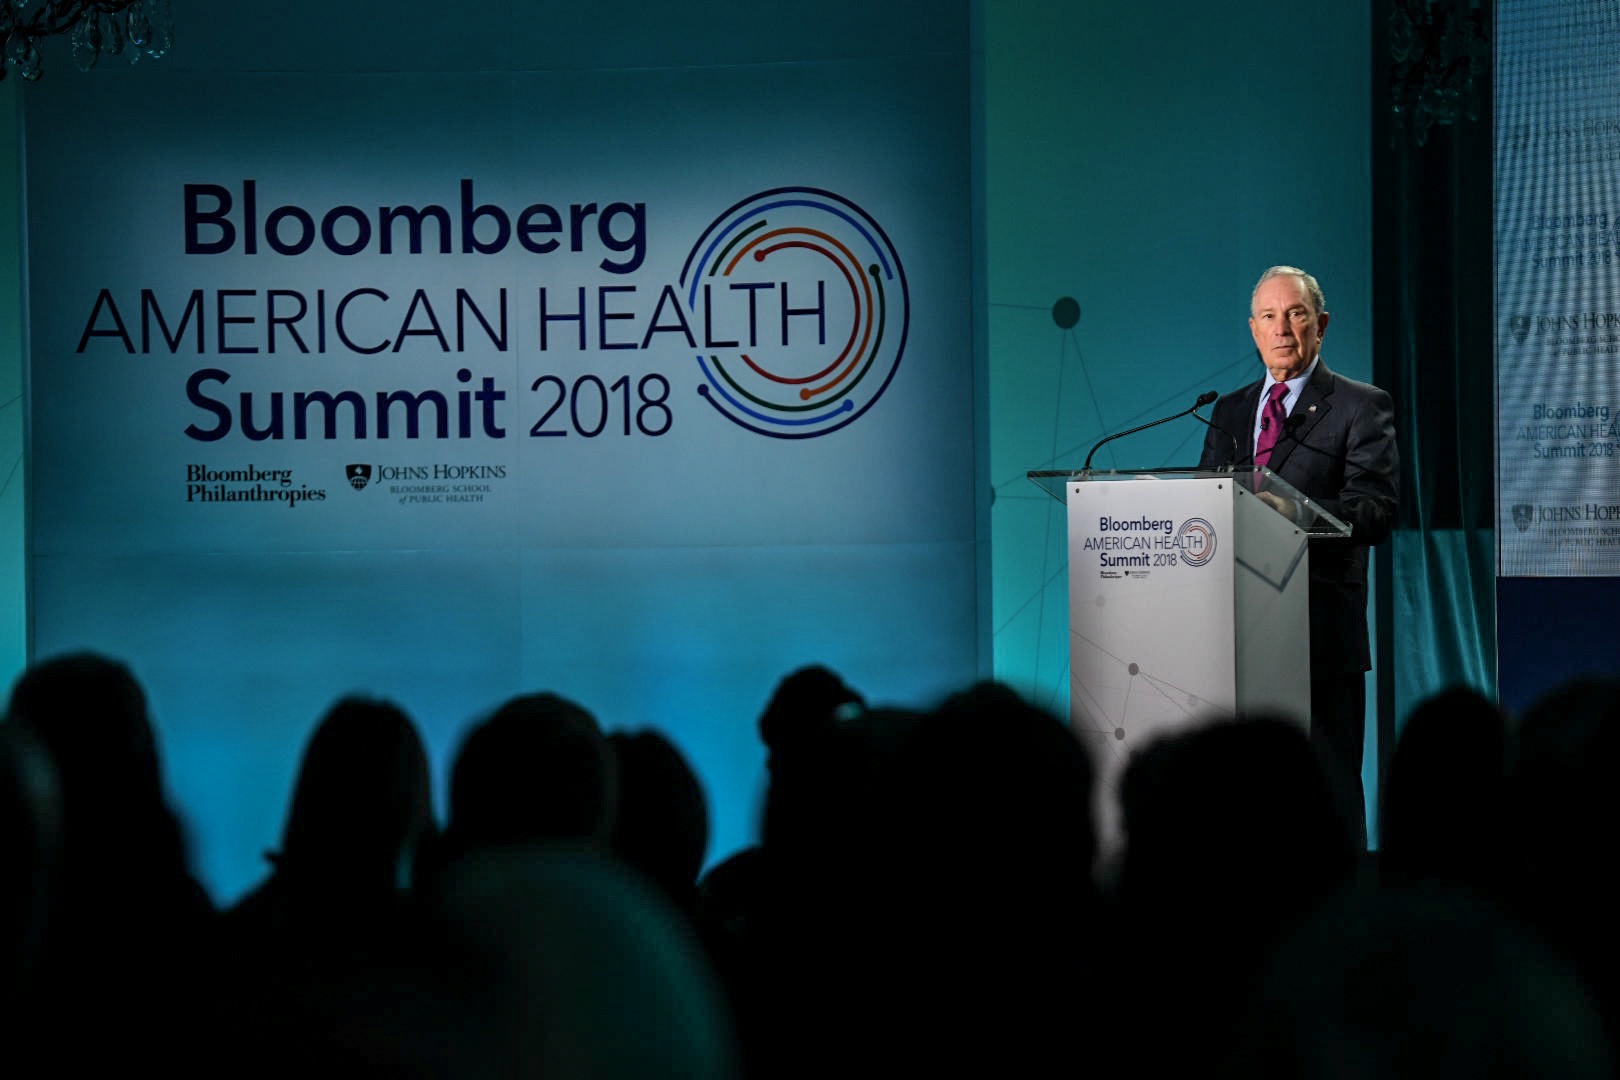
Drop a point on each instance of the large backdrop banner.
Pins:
(641, 386)
(1557, 268)
(1557, 265)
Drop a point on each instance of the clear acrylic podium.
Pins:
(1187, 601)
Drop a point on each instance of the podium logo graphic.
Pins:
(1519, 327)
(359, 476)
(1195, 540)
(813, 312)
(1524, 515)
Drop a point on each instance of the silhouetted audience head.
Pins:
(565, 964)
(804, 704)
(1567, 754)
(363, 801)
(1445, 797)
(982, 904)
(1425, 984)
(126, 918)
(780, 919)
(538, 769)
(1246, 801)
(822, 748)
(662, 824)
(1233, 834)
(990, 788)
(329, 939)
(1564, 809)
(90, 715)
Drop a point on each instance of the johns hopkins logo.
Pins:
(359, 476)
(1523, 515)
(1196, 541)
(815, 308)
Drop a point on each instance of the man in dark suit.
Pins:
(1334, 439)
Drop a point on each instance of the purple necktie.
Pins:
(1271, 424)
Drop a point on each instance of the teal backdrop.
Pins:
(1143, 164)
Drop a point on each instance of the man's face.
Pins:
(1287, 333)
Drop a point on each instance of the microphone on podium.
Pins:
(1234, 463)
(1203, 399)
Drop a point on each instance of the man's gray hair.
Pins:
(1312, 289)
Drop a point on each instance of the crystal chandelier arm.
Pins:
(146, 24)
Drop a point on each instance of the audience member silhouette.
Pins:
(922, 898)
(983, 936)
(330, 927)
(1233, 834)
(531, 962)
(1563, 811)
(804, 709)
(118, 975)
(563, 963)
(1445, 796)
(1425, 983)
(777, 917)
(363, 803)
(807, 702)
(923, 884)
(661, 826)
(538, 769)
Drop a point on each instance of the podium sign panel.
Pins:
(1188, 601)
(1150, 580)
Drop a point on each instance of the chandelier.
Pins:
(95, 28)
(1439, 49)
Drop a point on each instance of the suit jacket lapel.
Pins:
(1251, 407)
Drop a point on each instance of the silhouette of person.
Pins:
(1233, 834)
(537, 769)
(1563, 807)
(562, 963)
(1426, 983)
(361, 807)
(776, 916)
(1445, 799)
(119, 962)
(331, 929)
(661, 826)
(985, 923)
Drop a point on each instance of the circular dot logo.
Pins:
(804, 308)
(1195, 540)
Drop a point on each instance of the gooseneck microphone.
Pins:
(1203, 399)
(1211, 424)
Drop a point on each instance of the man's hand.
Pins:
(1286, 507)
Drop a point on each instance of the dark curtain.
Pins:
(1433, 331)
